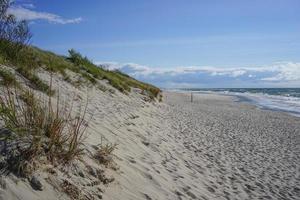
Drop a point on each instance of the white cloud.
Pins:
(283, 74)
(23, 13)
(227, 72)
(286, 72)
(237, 73)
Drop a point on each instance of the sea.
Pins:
(280, 99)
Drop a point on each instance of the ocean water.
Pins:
(281, 99)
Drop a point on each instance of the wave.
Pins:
(273, 102)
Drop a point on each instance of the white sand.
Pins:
(213, 148)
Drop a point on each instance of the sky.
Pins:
(176, 43)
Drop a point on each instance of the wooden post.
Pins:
(191, 96)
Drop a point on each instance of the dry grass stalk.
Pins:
(51, 132)
(104, 154)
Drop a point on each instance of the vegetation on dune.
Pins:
(39, 131)
(29, 59)
(35, 81)
(117, 79)
(104, 153)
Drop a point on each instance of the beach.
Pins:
(149, 100)
(212, 148)
(215, 147)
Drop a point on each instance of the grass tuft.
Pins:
(44, 131)
(7, 77)
(104, 154)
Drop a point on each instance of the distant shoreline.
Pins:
(288, 105)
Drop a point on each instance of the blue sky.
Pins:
(148, 38)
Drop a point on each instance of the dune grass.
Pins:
(104, 153)
(117, 79)
(35, 81)
(40, 131)
(24, 61)
(30, 58)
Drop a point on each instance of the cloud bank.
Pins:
(25, 12)
(283, 74)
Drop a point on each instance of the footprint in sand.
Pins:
(188, 192)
